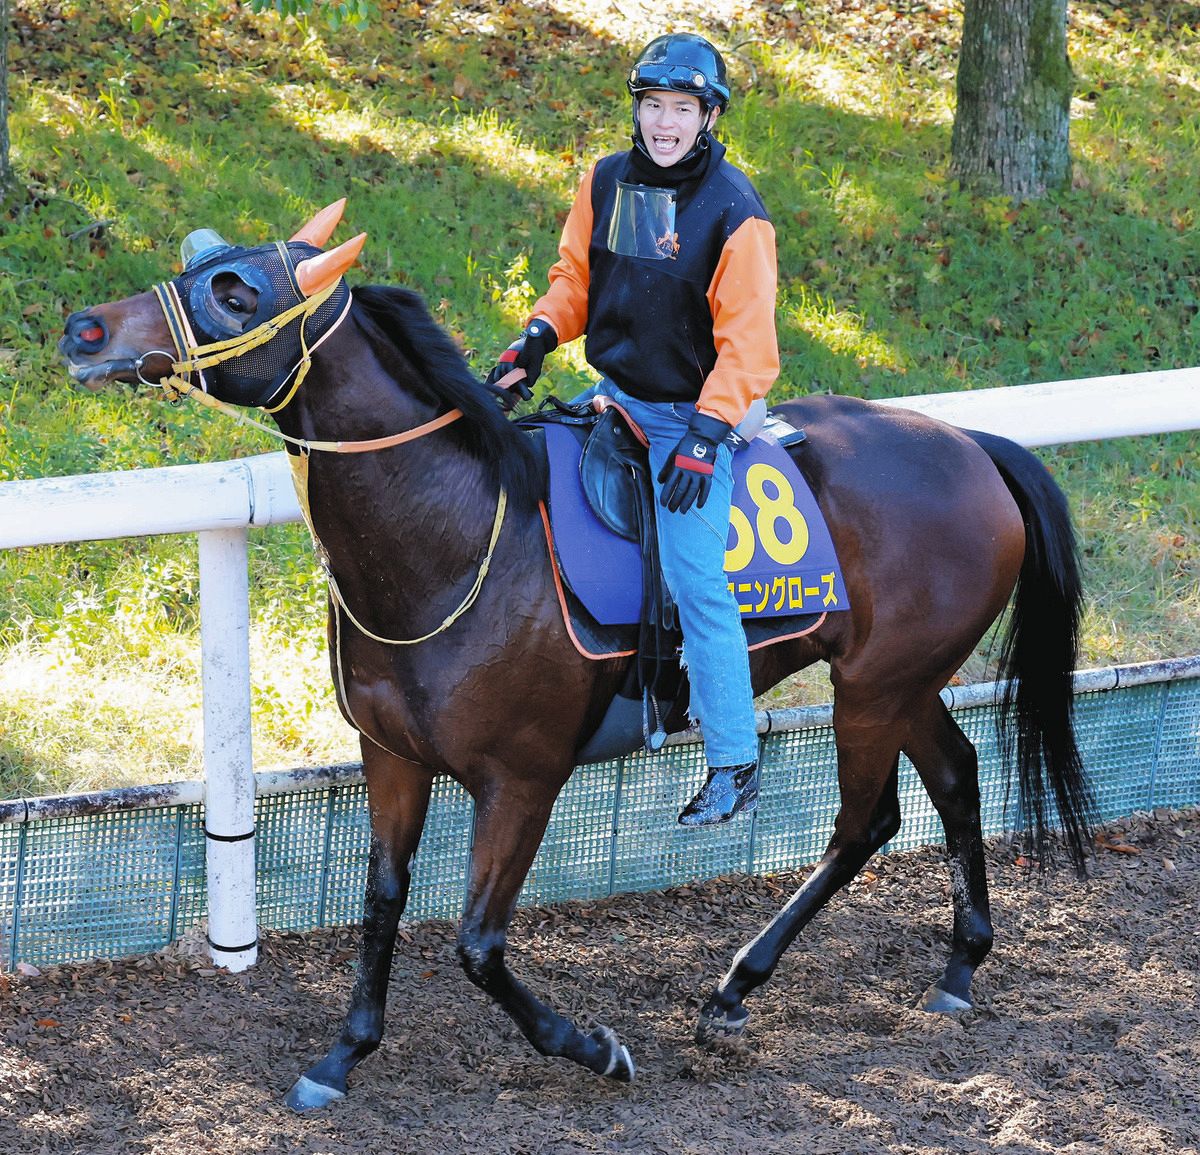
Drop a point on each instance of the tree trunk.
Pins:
(1011, 126)
(8, 178)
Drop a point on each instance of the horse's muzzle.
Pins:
(87, 335)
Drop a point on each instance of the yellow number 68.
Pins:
(773, 508)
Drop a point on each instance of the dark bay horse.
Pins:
(451, 656)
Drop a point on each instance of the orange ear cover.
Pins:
(321, 271)
(318, 231)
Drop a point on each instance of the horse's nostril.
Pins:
(88, 333)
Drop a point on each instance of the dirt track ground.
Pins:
(1086, 1037)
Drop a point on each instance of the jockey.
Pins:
(667, 264)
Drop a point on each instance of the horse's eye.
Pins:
(235, 305)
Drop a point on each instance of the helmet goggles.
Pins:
(675, 77)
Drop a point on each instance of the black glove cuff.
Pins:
(710, 428)
(544, 331)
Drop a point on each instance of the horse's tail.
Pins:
(1038, 655)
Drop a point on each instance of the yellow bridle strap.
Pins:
(340, 602)
(306, 359)
(195, 359)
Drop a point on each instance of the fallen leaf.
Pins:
(48, 1023)
(1117, 847)
(1168, 864)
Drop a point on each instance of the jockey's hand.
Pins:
(527, 352)
(687, 475)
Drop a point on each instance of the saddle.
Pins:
(614, 470)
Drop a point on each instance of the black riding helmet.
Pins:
(680, 62)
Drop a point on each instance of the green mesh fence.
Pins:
(130, 881)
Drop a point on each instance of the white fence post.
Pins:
(228, 764)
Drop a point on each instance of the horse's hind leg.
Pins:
(509, 824)
(949, 769)
(398, 793)
(868, 758)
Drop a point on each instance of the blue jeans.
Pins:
(692, 546)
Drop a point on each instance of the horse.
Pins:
(451, 656)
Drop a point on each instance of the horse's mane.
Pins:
(440, 373)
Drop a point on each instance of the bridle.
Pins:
(191, 359)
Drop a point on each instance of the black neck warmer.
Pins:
(685, 176)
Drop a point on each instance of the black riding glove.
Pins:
(687, 475)
(527, 352)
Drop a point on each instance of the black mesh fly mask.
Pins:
(250, 359)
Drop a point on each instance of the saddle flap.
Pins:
(615, 473)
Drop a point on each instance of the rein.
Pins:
(177, 389)
(194, 359)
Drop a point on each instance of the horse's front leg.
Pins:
(510, 821)
(868, 763)
(398, 794)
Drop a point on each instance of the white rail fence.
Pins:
(220, 501)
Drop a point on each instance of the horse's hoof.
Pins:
(620, 1063)
(306, 1095)
(939, 1002)
(715, 1025)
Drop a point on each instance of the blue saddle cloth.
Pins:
(780, 560)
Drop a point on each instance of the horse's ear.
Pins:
(318, 231)
(322, 270)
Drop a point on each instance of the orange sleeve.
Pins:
(742, 299)
(565, 304)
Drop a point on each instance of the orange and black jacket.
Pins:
(697, 327)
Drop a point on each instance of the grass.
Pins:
(459, 134)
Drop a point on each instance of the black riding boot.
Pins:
(729, 790)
